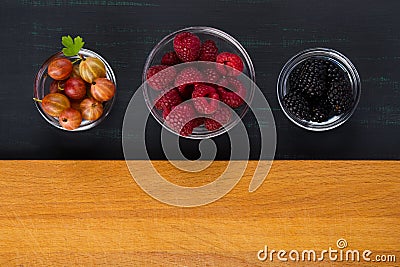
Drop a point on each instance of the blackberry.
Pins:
(335, 74)
(294, 77)
(340, 96)
(319, 115)
(321, 111)
(318, 89)
(311, 79)
(297, 105)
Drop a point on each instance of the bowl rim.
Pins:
(207, 30)
(42, 71)
(332, 55)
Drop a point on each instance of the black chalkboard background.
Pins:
(124, 32)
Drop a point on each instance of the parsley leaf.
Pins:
(72, 47)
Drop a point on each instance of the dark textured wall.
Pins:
(124, 32)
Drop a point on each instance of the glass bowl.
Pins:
(42, 85)
(225, 43)
(338, 59)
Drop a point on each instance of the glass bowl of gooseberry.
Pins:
(225, 43)
(95, 111)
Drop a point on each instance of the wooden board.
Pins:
(82, 213)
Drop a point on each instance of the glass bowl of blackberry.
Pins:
(318, 89)
(194, 62)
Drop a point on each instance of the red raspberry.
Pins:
(187, 46)
(230, 98)
(211, 75)
(186, 90)
(168, 100)
(235, 85)
(181, 119)
(170, 59)
(185, 81)
(216, 120)
(205, 98)
(231, 60)
(234, 95)
(208, 51)
(162, 80)
(188, 75)
(197, 122)
(166, 112)
(188, 128)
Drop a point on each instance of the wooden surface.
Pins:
(83, 213)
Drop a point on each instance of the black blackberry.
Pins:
(297, 105)
(318, 89)
(321, 111)
(340, 96)
(311, 79)
(335, 74)
(294, 77)
(319, 115)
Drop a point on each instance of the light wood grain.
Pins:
(83, 213)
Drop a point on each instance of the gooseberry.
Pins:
(60, 68)
(91, 109)
(75, 71)
(75, 88)
(70, 119)
(57, 86)
(102, 89)
(92, 68)
(55, 103)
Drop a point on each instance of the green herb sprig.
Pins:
(72, 46)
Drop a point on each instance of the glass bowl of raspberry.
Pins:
(319, 89)
(197, 82)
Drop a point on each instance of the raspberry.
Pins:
(170, 59)
(211, 75)
(218, 119)
(181, 119)
(230, 98)
(205, 98)
(165, 113)
(188, 128)
(208, 51)
(186, 90)
(188, 75)
(168, 100)
(185, 81)
(162, 80)
(235, 85)
(234, 95)
(231, 60)
(187, 46)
